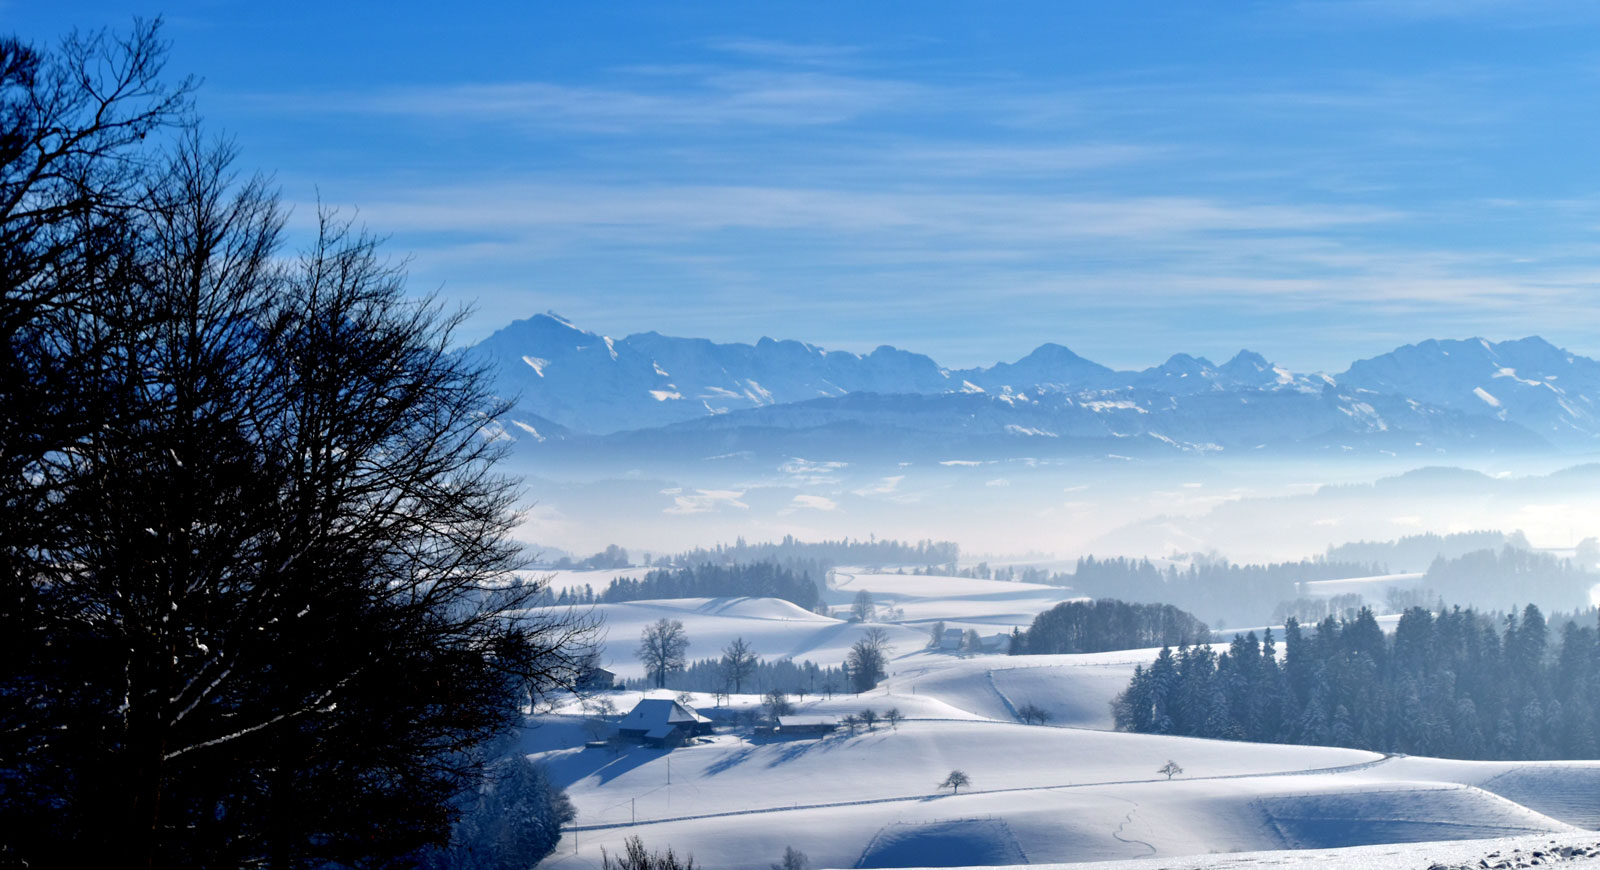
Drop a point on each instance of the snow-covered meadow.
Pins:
(1069, 791)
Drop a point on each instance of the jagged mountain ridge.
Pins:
(1435, 395)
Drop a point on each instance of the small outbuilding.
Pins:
(662, 722)
(807, 726)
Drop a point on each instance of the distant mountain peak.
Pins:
(566, 376)
(1247, 359)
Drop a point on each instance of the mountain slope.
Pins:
(1529, 381)
(654, 392)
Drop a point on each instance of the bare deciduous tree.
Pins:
(867, 659)
(661, 648)
(636, 857)
(1033, 714)
(955, 781)
(777, 704)
(861, 609)
(738, 663)
(793, 859)
(258, 594)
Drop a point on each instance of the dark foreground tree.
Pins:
(262, 611)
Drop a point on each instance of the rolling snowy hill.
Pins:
(1069, 791)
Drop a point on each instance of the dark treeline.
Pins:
(1461, 684)
(783, 675)
(1107, 624)
(1417, 552)
(759, 580)
(1487, 578)
(1244, 593)
(829, 553)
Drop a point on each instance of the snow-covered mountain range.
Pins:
(670, 395)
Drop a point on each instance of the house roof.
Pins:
(803, 721)
(652, 713)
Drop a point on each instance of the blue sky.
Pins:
(1317, 181)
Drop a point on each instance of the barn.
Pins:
(801, 726)
(662, 722)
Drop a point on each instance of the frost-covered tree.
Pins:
(512, 822)
(636, 857)
(1170, 769)
(862, 609)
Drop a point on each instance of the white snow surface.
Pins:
(1069, 791)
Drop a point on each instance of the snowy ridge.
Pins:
(772, 396)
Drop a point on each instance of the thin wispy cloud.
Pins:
(1284, 171)
(817, 54)
(724, 97)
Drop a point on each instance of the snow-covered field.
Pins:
(908, 606)
(1071, 791)
(1371, 588)
(986, 606)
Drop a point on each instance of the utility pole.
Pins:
(633, 811)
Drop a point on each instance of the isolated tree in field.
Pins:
(777, 704)
(738, 663)
(850, 722)
(893, 717)
(1032, 714)
(936, 635)
(1171, 769)
(258, 601)
(867, 659)
(636, 857)
(793, 859)
(869, 718)
(662, 645)
(861, 609)
(955, 781)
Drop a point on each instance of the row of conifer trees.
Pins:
(1459, 683)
